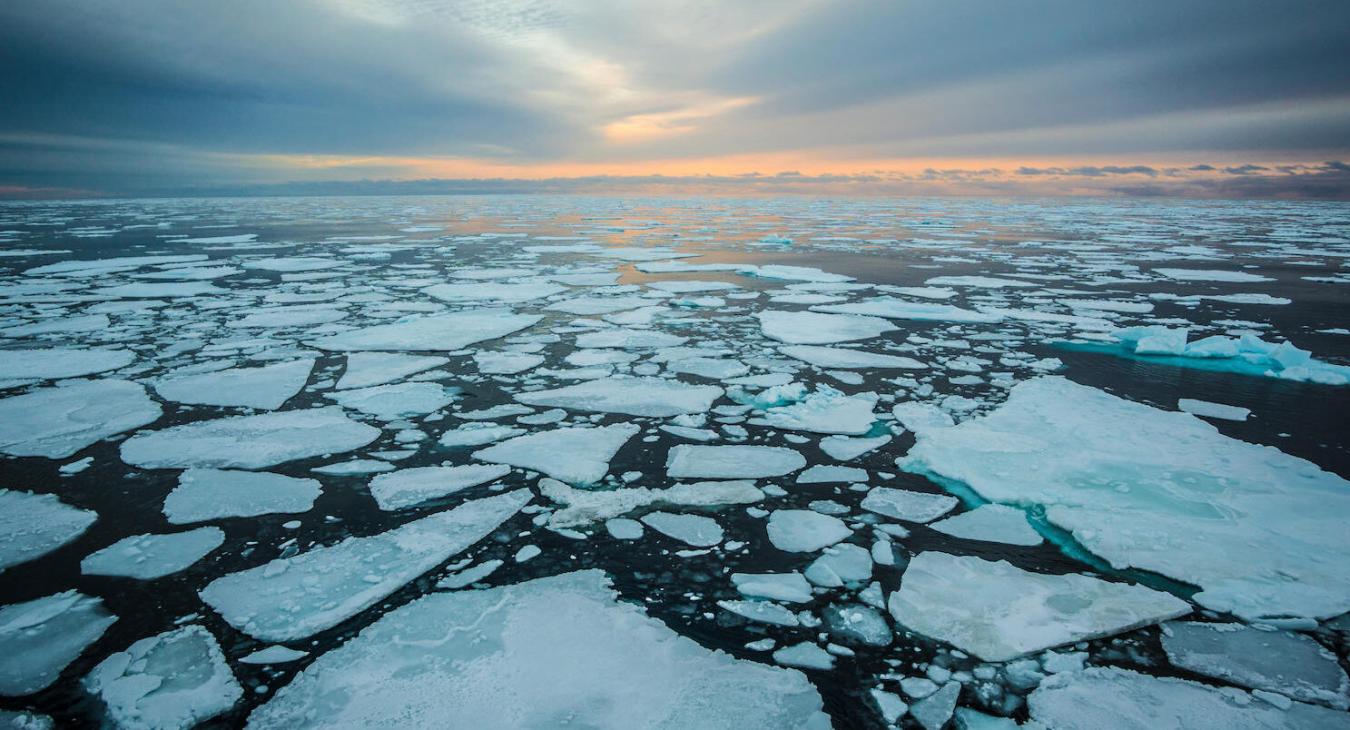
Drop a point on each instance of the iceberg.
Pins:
(249, 442)
(572, 455)
(40, 638)
(532, 655)
(1259, 531)
(632, 396)
(292, 598)
(58, 421)
(32, 525)
(998, 611)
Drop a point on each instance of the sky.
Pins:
(1224, 98)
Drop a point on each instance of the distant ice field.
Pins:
(531, 461)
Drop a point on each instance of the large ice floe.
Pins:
(1260, 532)
(441, 332)
(249, 442)
(60, 362)
(208, 494)
(543, 653)
(633, 396)
(811, 328)
(584, 506)
(291, 598)
(58, 421)
(998, 611)
(266, 387)
(573, 455)
(40, 638)
(174, 680)
(32, 525)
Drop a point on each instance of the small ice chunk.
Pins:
(804, 655)
(505, 363)
(32, 525)
(904, 504)
(291, 598)
(477, 434)
(633, 396)
(695, 530)
(787, 587)
(844, 448)
(998, 612)
(410, 487)
(991, 523)
(249, 442)
(622, 528)
(1213, 410)
(855, 624)
(840, 565)
(146, 557)
(825, 411)
(208, 494)
(573, 455)
(804, 531)
(762, 611)
(275, 654)
(825, 474)
(174, 680)
(469, 576)
(59, 421)
(40, 638)
(933, 711)
(731, 462)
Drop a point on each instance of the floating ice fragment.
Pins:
(998, 612)
(804, 531)
(573, 455)
(584, 506)
(266, 387)
(174, 680)
(844, 448)
(761, 611)
(291, 598)
(1277, 661)
(58, 421)
(275, 654)
(892, 308)
(1213, 410)
(146, 557)
(991, 523)
(411, 487)
(1211, 275)
(365, 369)
(805, 655)
(441, 332)
(32, 525)
(731, 462)
(397, 400)
(249, 442)
(825, 411)
(40, 638)
(695, 530)
(525, 655)
(633, 396)
(787, 587)
(811, 328)
(208, 494)
(908, 505)
(60, 362)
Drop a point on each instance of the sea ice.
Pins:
(848, 359)
(633, 396)
(804, 531)
(1100, 697)
(441, 332)
(1211, 275)
(266, 387)
(761, 611)
(410, 487)
(505, 363)
(825, 411)
(291, 598)
(998, 612)
(58, 421)
(731, 462)
(1258, 530)
(892, 308)
(495, 291)
(536, 654)
(208, 494)
(32, 525)
(695, 530)
(572, 455)
(166, 682)
(584, 506)
(908, 505)
(249, 442)
(811, 328)
(1291, 664)
(786, 587)
(365, 369)
(844, 448)
(40, 638)
(991, 523)
(146, 557)
(1213, 410)
(397, 400)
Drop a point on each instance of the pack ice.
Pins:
(551, 651)
(1259, 531)
(248, 442)
(291, 598)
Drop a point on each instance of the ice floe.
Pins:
(1291, 664)
(584, 506)
(40, 638)
(249, 442)
(441, 332)
(991, 523)
(731, 462)
(633, 396)
(291, 598)
(812, 328)
(266, 387)
(58, 421)
(410, 487)
(573, 455)
(365, 369)
(174, 680)
(146, 557)
(32, 525)
(209, 494)
(804, 531)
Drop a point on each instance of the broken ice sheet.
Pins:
(291, 598)
(528, 654)
(998, 611)
(176, 679)
(411, 487)
(1261, 532)
(1291, 664)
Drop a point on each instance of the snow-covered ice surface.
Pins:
(347, 459)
